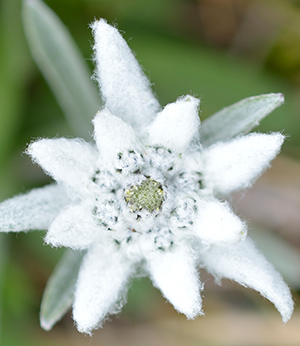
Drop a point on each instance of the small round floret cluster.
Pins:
(147, 194)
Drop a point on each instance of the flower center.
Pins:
(148, 195)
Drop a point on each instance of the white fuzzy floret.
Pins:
(245, 264)
(236, 164)
(34, 210)
(70, 161)
(216, 223)
(174, 273)
(176, 125)
(125, 88)
(101, 286)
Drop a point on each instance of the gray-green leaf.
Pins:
(238, 118)
(62, 65)
(283, 255)
(59, 292)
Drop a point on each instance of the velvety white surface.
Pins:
(175, 274)
(245, 264)
(34, 210)
(101, 286)
(146, 196)
(176, 125)
(236, 164)
(124, 87)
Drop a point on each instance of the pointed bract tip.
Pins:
(274, 141)
(46, 325)
(280, 98)
(100, 26)
(194, 314)
(86, 331)
(277, 99)
(286, 311)
(189, 98)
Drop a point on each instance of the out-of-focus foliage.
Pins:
(58, 294)
(62, 66)
(222, 51)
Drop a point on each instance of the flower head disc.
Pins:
(148, 195)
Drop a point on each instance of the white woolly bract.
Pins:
(236, 164)
(245, 264)
(113, 136)
(75, 228)
(176, 125)
(147, 197)
(101, 286)
(174, 273)
(216, 223)
(69, 161)
(124, 87)
(34, 210)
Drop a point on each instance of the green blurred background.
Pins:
(218, 50)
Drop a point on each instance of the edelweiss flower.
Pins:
(147, 198)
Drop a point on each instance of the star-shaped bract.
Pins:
(147, 198)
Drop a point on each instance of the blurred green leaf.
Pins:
(238, 118)
(180, 67)
(58, 295)
(62, 65)
(283, 255)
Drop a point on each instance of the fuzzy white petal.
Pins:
(174, 273)
(236, 164)
(75, 228)
(113, 136)
(70, 161)
(101, 286)
(245, 264)
(125, 88)
(216, 223)
(34, 210)
(176, 125)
